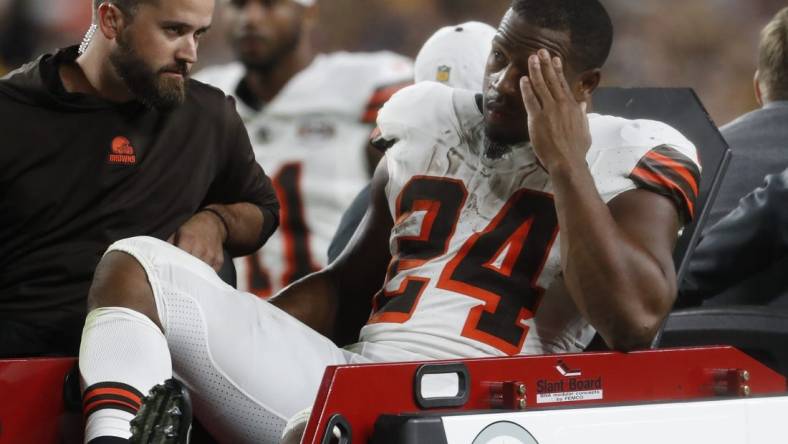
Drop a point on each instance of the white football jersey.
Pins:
(475, 265)
(311, 141)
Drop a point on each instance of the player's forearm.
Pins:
(617, 285)
(244, 224)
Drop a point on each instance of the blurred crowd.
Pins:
(708, 45)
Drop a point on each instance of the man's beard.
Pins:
(148, 87)
(494, 149)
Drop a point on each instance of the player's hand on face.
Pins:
(557, 123)
(203, 237)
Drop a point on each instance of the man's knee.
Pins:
(120, 281)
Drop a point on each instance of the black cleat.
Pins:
(165, 416)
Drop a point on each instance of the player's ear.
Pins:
(110, 20)
(587, 82)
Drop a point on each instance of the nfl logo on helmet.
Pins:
(443, 74)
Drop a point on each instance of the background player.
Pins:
(469, 201)
(453, 55)
(309, 117)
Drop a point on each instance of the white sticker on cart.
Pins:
(569, 396)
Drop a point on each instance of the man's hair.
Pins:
(587, 22)
(127, 6)
(773, 56)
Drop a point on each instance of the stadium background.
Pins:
(709, 45)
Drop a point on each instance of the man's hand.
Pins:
(557, 123)
(202, 236)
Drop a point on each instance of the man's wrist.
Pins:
(220, 217)
(565, 168)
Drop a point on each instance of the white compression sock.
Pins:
(122, 356)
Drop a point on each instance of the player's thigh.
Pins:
(223, 339)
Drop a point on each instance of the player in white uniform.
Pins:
(454, 56)
(475, 246)
(309, 118)
(469, 210)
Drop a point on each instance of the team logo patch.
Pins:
(443, 74)
(121, 152)
(316, 130)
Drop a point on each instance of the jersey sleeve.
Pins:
(413, 123)
(419, 111)
(648, 155)
(380, 96)
(665, 170)
(394, 72)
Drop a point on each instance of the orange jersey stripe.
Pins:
(370, 116)
(382, 95)
(648, 176)
(677, 167)
(378, 99)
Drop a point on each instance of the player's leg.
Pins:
(249, 366)
(123, 351)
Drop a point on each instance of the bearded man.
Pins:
(110, 139)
